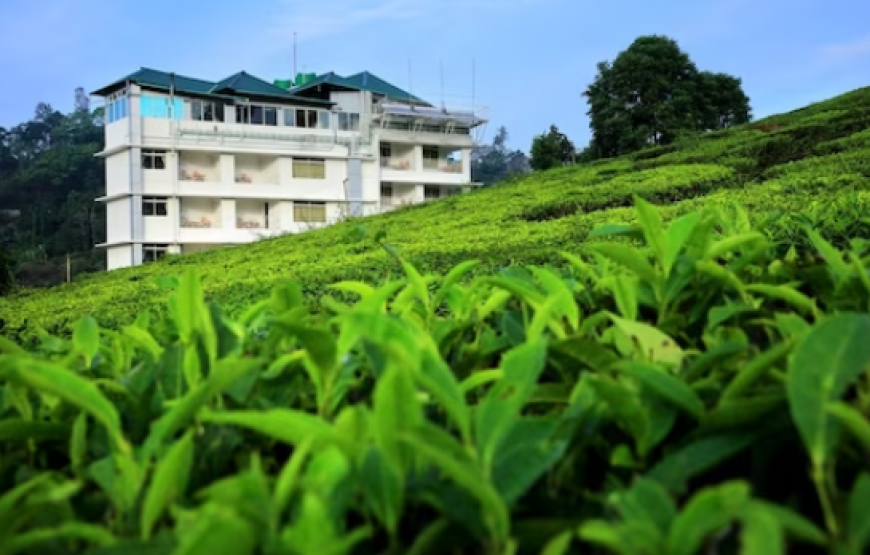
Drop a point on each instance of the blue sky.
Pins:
(533, 57)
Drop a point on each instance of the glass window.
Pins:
(152, 253)
(271, 116)
(309, 168)
(154, 206)
(289, 117)
(314, 212)
(154, 159)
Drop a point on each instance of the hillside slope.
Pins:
(813, 160)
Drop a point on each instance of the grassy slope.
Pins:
(804, 160)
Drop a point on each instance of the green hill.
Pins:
(807, 160)
(693, 382)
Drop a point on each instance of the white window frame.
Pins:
(153, 253)
(309, 168)
(153, 156)
(309, 205)
(155, 203)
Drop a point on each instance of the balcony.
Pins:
(200, 213)
(254, 168)
(442, 165)
(397, 163)
(199, 167)
(256, 215)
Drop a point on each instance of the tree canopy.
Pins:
(652, 93)
(493, 163)
(551, 149)
(49, 178)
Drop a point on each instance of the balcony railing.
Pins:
(440, 165)
(200, 222)
(197, 175)
(393, 163)
(243, 222)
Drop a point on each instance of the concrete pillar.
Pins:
(228, 213)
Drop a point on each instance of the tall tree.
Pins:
(493, 163)
(652, 93)
(551, 149)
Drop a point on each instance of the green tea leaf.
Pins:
(652, 343)
(86, 338)
(168, 484)
(218, 529)
(853, 421)
(822, 366)
(288, 426)
(676, 237)
(629, 257)
(708, 511)
(60, 382)
(665, 385)
(651, 222)
(858, 523)
(761, 533)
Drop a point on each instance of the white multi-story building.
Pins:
(193, 164)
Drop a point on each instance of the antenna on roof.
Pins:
(294, 56)
(442, 84)
(473, 107)
(410, 89)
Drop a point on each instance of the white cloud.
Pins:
(845, 51)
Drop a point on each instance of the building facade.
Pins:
(193, 164)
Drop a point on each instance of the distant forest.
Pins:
(49, 178)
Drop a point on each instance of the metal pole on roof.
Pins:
(410, 88)
(294, 56)
(442, 84)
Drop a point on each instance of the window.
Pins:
(431, 192)
(309, 168)
(348, 121)
(154, 206)
(430, 157)
(387, 191)
(152, 253)
(154, 159)
(256, 114)
(386, 150)
(271, 116)
(311, 119)
(152, 106)
(309, 212)
(116, 106)
(203, 110)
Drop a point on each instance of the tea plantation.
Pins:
(664, 354)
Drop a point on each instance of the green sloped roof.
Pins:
(241, 84)
(245, 83)
(370, 82)
(363, 81)
(159, 79)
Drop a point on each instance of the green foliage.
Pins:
(551, 149)
(652, 94)
(685, 385)
(49, 178)
(773, 169)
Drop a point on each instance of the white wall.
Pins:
(118, 220)
(161, 229)
(119, 257)
(118, 173)
(348, 101)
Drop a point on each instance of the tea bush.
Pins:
(678, 387)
